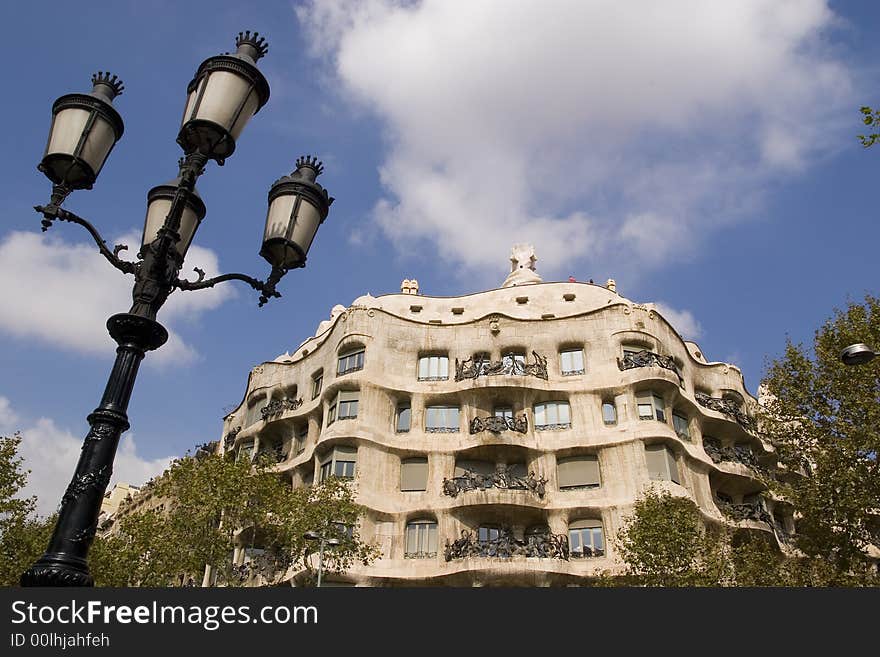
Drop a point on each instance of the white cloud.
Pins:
(51, 454)
(8, 417)
(62, 293)
(682, 321)
(619, 132)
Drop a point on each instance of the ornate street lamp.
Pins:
(225, 93)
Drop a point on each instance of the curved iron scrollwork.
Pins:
(97, 479)
(727, 407)
(645, 358)
(504, 477)
(278, 406)
(745, 511)
(473, 369)
(497, 424)
(541, 544)
(737, 453)
(229, 440)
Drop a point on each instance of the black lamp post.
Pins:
(225, 93)
(324, 540)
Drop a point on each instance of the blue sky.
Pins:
(702, 154)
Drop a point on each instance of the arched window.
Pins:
(441, 419)
(609, 413)
(585, 538)
(681, 424)
(552, 415)
(434, 368)
(350, 361)
(651, 406)
(421, 539)
(403, 417)
(661, 463)
(340, 462)
(571, 362)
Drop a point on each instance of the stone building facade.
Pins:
(501, 438)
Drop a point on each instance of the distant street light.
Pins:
(857, 354)
(226, 91)
(315, 536)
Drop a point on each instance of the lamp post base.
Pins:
(57, 570)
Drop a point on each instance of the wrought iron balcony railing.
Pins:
(503, 477)
(497, 424)
(737, 453)
(420, 555)
(229, 440)
(745, 511)
(473, 369)
(727, 407)
(278, 406)
(543, 545)
(274, 453)
(645, 358)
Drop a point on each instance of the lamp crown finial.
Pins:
(308, 161)
(110, 81)
(257, 44)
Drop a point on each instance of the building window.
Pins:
(552, 415)
(585, 538)
(246, 450)
(650, 406)
(578, 472)
(572, 362)
(351, 361)
(609, 413)
(340, 462)
(404, 418)
(441, 419)
(482, 469)
(344, 407)
(514, 361)
(414, 474)
(433, 368)
(503, 411)
(317, 382)
(299, 441)
(421, 539)
(661, 463)
(487, 534)
(682, 426)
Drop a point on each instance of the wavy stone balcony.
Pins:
(745, 511)
(278, 406)
(510, 366)
(736, 454)
(728, 408)
(505, 545)
(498, 424)
(645, 358)
(504, 478)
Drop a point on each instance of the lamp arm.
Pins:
(52, 211)
(266, 289)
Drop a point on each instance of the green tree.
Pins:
(22, 541)
(212, 503)
(824, 419)
(13, 479)
(870, 117)
(23, 537)
(665, 543)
